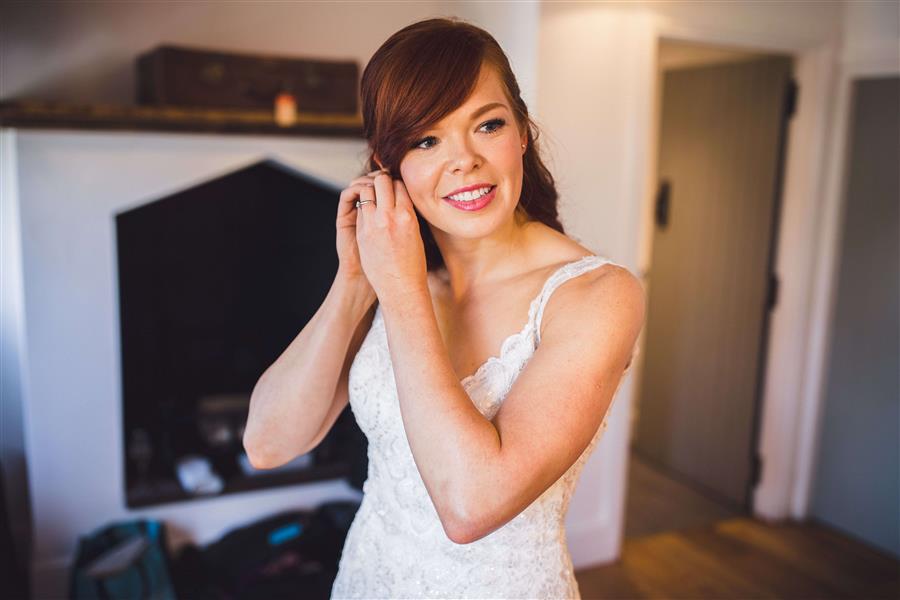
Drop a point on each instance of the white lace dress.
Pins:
(396, 546)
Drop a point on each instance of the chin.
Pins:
(465, 226)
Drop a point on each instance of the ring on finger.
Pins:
(362, 200)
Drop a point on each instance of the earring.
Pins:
(523, 146)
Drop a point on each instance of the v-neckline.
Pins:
(506, 344)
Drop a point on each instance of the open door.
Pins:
(711, 286)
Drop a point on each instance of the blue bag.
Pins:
(123, 560)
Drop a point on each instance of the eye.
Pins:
(418, 145)
(496, 123)
(495, 126)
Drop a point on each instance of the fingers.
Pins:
(367, 192)
(354, 192)
(368, 177)
(401, 196)
(384, 190)
(376, 186)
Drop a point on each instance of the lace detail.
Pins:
(396, 546)
(516, 338)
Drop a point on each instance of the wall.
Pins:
(855, 446)
(12, 355)
(856, 486)
(871, 32)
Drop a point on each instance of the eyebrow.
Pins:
(486, 108)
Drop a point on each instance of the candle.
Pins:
(285, 109)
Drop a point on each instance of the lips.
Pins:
(473, 205)
(469, 188)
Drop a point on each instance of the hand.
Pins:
(390, 245)
(348, 253)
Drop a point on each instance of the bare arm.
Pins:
(299, 397)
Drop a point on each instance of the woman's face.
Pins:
(478, 143)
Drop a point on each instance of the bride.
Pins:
(478, 346)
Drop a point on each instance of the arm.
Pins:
(298, 398)
(546, 421)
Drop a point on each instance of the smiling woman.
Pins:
(478, 425)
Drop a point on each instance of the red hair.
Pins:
(424, 72)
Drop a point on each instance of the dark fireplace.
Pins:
(214, 283)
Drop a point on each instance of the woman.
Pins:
(478, 425)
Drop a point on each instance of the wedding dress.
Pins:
(396, 546)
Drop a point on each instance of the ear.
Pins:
(378, 161)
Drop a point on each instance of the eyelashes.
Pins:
(496, 123)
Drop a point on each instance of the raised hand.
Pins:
(391, 251)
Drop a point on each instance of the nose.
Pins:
(463, 157)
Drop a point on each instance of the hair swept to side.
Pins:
(424, 72)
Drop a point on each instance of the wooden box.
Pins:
(188, 77)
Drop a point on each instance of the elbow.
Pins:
(465, 533)
(259, 456)
(458, 534)
(452, 522)
(465, 527)
(461, 537)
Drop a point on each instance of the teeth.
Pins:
(469, 196)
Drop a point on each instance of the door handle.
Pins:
(662, 204)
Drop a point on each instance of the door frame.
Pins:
(806, 258)
(824, 295)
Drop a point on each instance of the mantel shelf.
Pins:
(38, 114)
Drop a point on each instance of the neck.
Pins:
(473, 263)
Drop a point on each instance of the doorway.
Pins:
(722, 118)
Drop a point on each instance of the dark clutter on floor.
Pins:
(292, 554)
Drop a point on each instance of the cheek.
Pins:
(420, 180)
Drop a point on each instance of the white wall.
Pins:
(871, 33)
(514, 24)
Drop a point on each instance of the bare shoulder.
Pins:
(609, 295)
(608, 279)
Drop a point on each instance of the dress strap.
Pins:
(561, 275)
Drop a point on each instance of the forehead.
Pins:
(488, 88)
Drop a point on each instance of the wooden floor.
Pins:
(745, 558)
(681, 543)
(657, 502)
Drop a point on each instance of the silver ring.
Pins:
(361, 202)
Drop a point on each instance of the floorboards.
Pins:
(683, 544)
(745, 558)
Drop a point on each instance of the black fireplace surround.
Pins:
(215, 281)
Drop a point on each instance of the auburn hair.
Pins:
(424, 72)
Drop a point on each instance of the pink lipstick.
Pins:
(476, 204)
